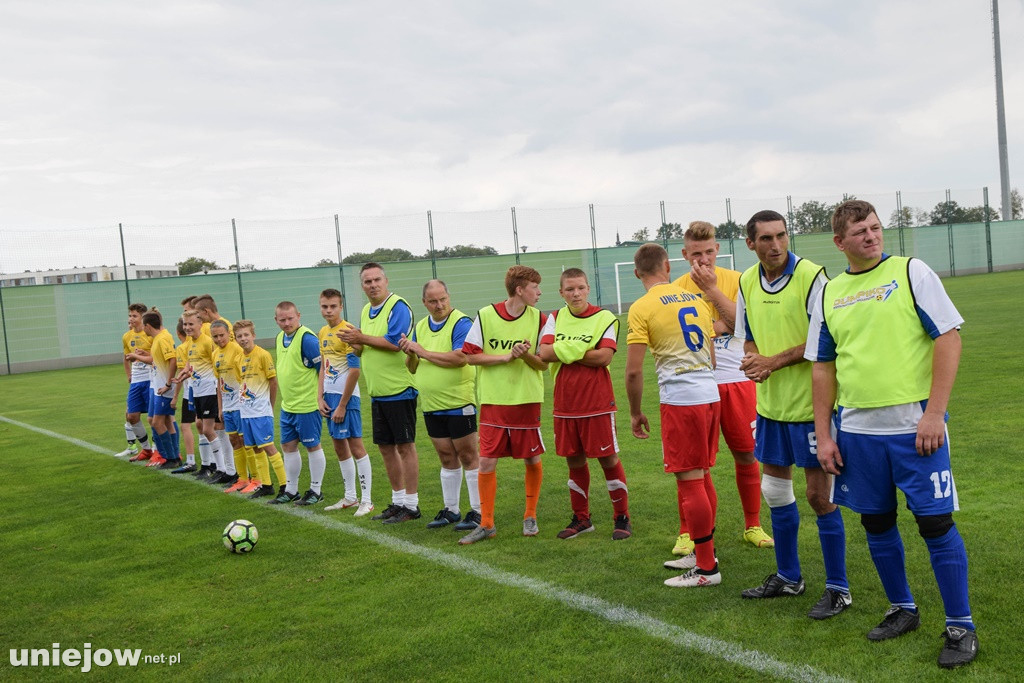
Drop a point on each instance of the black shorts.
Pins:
(206, 407)
(188, 416)
(394, 422)
(449, 426)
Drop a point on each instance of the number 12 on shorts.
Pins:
(943, 483)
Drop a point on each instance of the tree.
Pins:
(730, 230)
(460, 250)
(1016, 205)
(194, 264)
(669, 231)
(380, 255)
(952, 212)
(642, 235)
(812, 216)
(325, 263)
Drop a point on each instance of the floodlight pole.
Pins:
(124, 262)
(1004, 162)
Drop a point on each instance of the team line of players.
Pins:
(847, 379)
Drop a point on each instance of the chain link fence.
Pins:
(261, 263)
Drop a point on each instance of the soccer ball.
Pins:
(240, 536)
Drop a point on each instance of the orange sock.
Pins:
(487, 482)
(534, 477)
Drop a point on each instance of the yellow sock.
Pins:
(262, 467)
(250, 463)
(278, 464)
(239, 454)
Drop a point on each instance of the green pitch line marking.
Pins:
(609, 611)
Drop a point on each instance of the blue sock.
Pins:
(832, 535)
(176, 440)
(887, 553)
(785, 527)
(949, 563)
(159, 440)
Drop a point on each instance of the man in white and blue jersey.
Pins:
(133, 341)
(885, 342)
(772, 313)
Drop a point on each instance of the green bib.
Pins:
(884, 355)
(298, 383)
(385, 371)
(513, 383)
(778, 322)
(584, 333)
(443, 388)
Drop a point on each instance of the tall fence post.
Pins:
(789, 220)
(341, 267)
(3, 324)
(238, 268)
(124, 263)
(515, 235)
(900, 221)
(433, 254)
(664, 230)
(988, 231)
(728, 219)
(949, 233)
(593, 245)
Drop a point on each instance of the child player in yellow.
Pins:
(257, 395)
(227, 366)
(340, 404)
(134, 340)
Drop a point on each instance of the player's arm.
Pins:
(172, 368)
(707, 280)
(220, 397)
(598, 358)
(635, 389)
(320, 387)
(272, 384)
(823, 388)
(931, 430)
(483, 359)
(547, 353)
(759, 368)
(522, 351)
(444, 359)
(128, 369)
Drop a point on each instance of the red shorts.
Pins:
(739, 415)
(689, 436)
(519, 443)
(592, 436)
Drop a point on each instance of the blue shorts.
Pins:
(352, 425)
(233, 422)
(258, 431)
(304, 427)
(138, 397)
(161, 405)
(875, 465)
(785, 443)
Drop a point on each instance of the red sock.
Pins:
(616, 478)
(748, 483)
(698, 511)
(579, 491)
(534, 477)
(684, 528)
(487, 483)
(709, 489)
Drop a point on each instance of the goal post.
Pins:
(628, 288)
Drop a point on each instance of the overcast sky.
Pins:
(196, 112)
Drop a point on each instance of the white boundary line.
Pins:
(609, 611)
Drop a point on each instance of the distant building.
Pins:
(94, 274)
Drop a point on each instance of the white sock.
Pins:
(292, 470)
(348, 476)
(218, 456)
(139, 430)
(412, 500)
(365, 478)
(129, 433)
(190, 459)
(317, 467)
(227, 452)
(451, 485)
(398, 497)
(473, 488)
(205, 454)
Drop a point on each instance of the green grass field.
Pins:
(97, 550)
